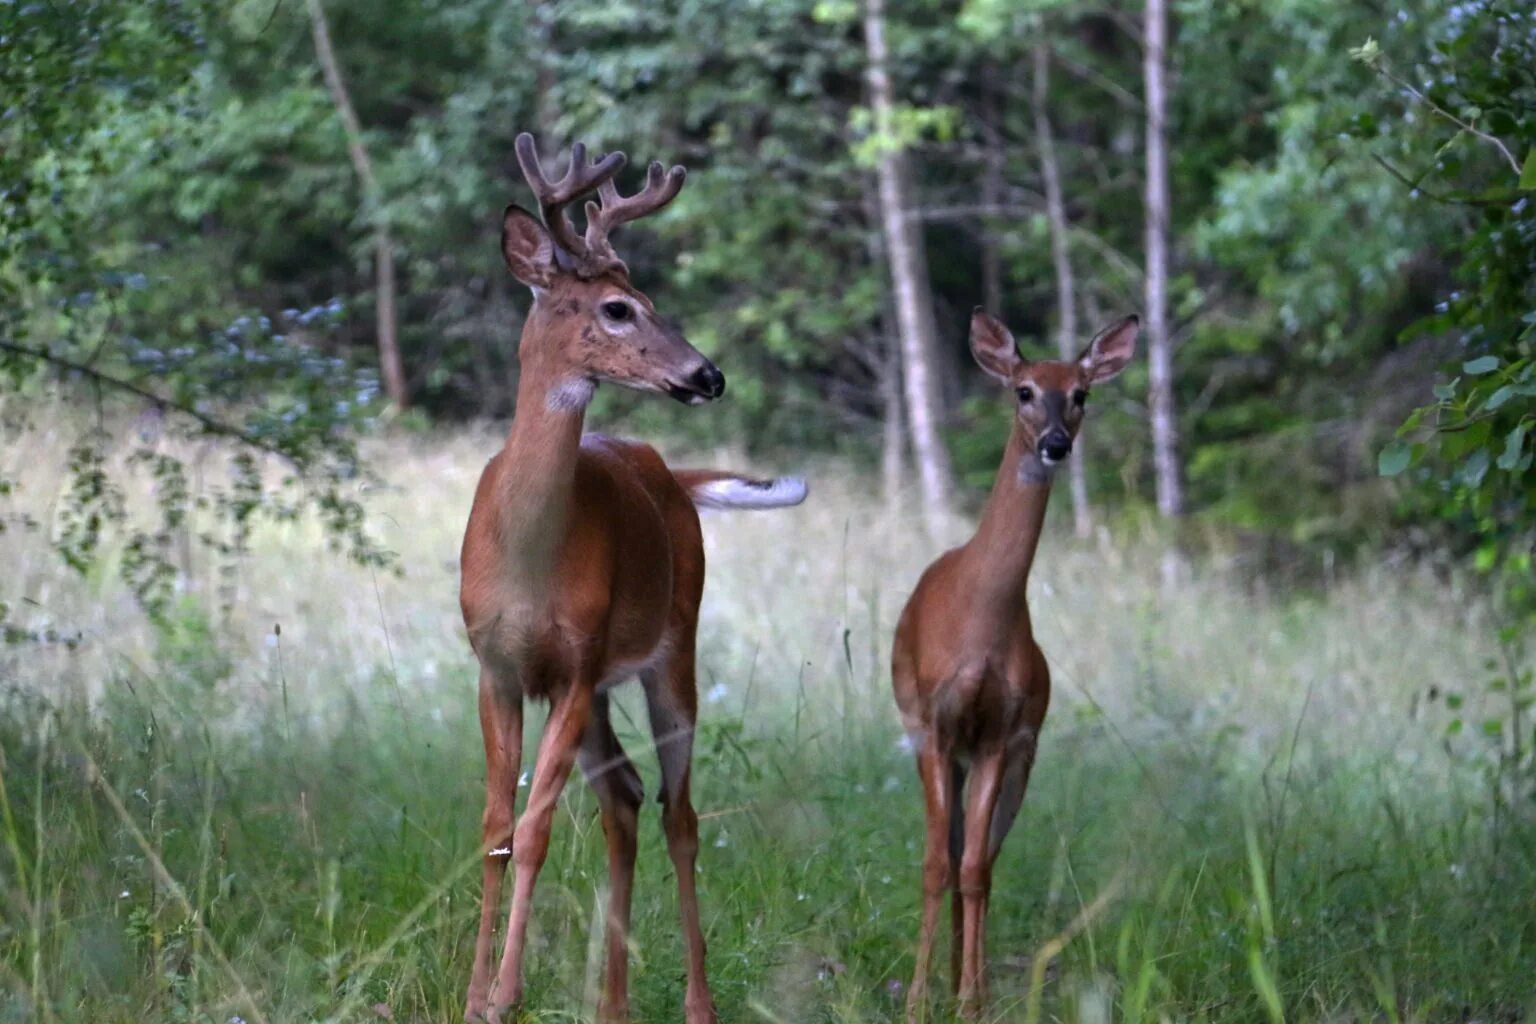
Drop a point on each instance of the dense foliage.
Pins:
(181, 214)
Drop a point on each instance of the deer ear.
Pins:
(1111, 350)
(527, 248)
(993, 347)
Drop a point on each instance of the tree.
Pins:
(391, 369)
(87, 305)
(1067, 342)
(1474, 447)
(913, 303)
(1160, 398)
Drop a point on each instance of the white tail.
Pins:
(712, 489)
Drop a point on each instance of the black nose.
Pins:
(708, 380)
(1056, 446)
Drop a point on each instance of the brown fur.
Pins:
(970, 681)
(582, 566)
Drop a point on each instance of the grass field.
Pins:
(1245, 806)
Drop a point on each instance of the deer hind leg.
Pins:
(672, 700)
(568, 719)
(1021, 758)
(956, 851)
(501, 726)
(976, 881)
(619, 794)
(936, 770)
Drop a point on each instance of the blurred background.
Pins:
(256, 341)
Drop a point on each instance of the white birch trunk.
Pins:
(909, 283)
(1165, 438)
(1061, 259)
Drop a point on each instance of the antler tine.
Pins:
(661, 187)
(554, 197)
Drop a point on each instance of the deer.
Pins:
(583, 567)
(971, 684)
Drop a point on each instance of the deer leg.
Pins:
(672, 700)
(501, 726)
(530, 840)
(935, 770)
(619, 794)
(956, 851)
(976, 881)
(1015, 781)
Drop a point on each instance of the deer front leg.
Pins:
(501, 726)
(530, 841)
(976, 882)
(934, 769)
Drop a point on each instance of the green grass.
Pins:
(1245, 805)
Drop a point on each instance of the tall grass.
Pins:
(267, 807)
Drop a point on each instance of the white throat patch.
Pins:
(570, 395)
(1036, 469)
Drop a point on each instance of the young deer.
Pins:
(583, 566)
(969, 678)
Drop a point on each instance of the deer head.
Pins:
(589, 323)
(1051, 395)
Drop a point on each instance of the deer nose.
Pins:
(708, 381)
(1056, 445)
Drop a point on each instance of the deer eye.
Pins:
(619, 311)
(1026, 394)
(1080, 397)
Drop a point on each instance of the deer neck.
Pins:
(539, 461)
(1003, 549)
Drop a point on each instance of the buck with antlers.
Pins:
(583, 566)
(970, 681)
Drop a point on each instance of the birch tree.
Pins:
(909, 279)
(1165, 436)
(1061, 261)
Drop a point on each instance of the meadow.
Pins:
(266, 808)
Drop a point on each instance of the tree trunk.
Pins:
(893, 461)
(1061, 259)
(893, 432)
(390, 369)
(991, 196)
(1165, 437)
(909, 282)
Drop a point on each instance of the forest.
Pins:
(257, 339)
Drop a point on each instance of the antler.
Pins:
(555, 196)
(594, 254)
(661, 187)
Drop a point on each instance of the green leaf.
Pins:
(1499, 397)
(1394, 458)
(1475, 468)
(1528, 172)
(1514, 442)
(1480, 365)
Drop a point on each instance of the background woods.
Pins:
(252, 307)
(1285, 214)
